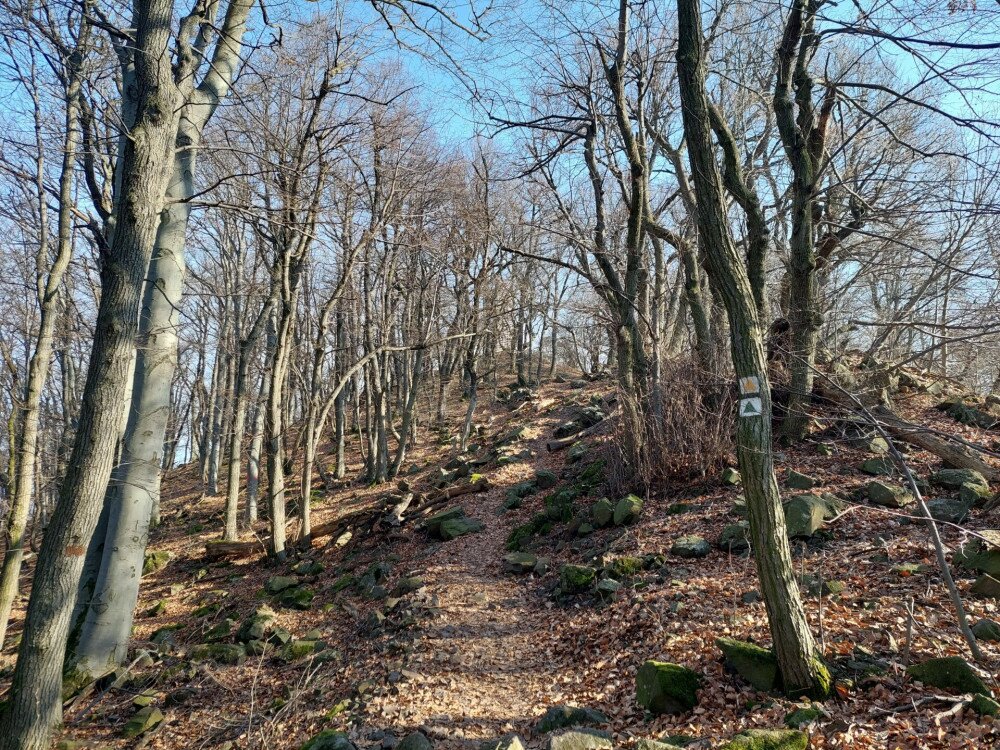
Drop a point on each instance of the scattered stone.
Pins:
(154, 561)
(948, 510)
(986, 586)
(665, 688)
(456, 527)
(986, 630)
(296, 598)
(433, 524)
(971, 486)
(546, 479)
(296, 649)
(799, 481)
(309, 568)
(158, 608)
(625, 566)
(768, 739)
(584, 529)
(735, 538)
(754, 664)
(608, 588)
(415, 741)
(804, 516)
(509, 742)
(814, 585)
(222, 653)
(627, 511)
(407, 585)
(329, 739)
(948, 673)
(277, 584)
(824, 449)
(888, 495)
(221, 630)
(576, 452)
(602, 512)
(690, 546)
(520, 562)
(574, 579)
(561, 717)
(581, 739)
(802, 716)
(142, 721)
(984, 705)
(878, 467)
(731, 477)
(981, 554)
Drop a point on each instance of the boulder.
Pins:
(576, 452)
(627, 511)
(731, 477)
(814, 585)
(878, 467)
(407, 585)
(984, 705)
(735, 538)
(581, 739)
(690, 546)
(520, 562)
(756, 665)
(888, 495)
(981, 554)
(768, 739)
(456, 527)
(142, 721)
(804, 516)
(665, 688)
(970, 485)
(986, 586)
(154, 561)
(799, 481)
(948, 673)
(297, 598)
(574, 579)
(624, 567)
(986, 630)
(602, 512)
(948, 510)
(257, 626)
(415, 741)
(222, 653)
(433, 524)
(277, 584)
(309, 568)
(561, 717)
(545, 479)
(802, 716)
(607, 588)
(329, 739)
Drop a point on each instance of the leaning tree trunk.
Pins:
(41, 358)
(802, 672)
(34, 706)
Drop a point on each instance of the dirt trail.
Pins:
(481, 669)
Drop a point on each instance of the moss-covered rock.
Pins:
(768, 739)
(223, 653)
(545, 479)
(299, 649)
(433, 524)
(561, 717)
(986, 586)
(415, 741)
(456, 527)
(878, 467)
(277, 584)
(581, 739)
(971, 481)
(948, 673)
(607, 589)
(142, 721)
(407, 585)
(309, 568)
(625, 566)
(258, 626)
(981, 555)
(888, 495)
(627, 510)
(576, 452)
(796, 480)
(987, 630)
(731, 477)
(329, 739)
(602, 512)
(949, 510)
(520, 562)
(296, 598)
(154, 561)
(984, 705)
(756, 665)
(574, 579)
(690, 546)
(665, 688)
(802, 716)
(804, 516)
(735, 538)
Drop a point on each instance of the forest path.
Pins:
(484, 666)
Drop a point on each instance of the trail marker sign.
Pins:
(749, 385)
(751, 407)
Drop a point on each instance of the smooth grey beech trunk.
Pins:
(104, 637)
(35, 705)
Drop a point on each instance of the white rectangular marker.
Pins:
(751, 407)
(749, 385)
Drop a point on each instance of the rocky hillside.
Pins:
(505, 597)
